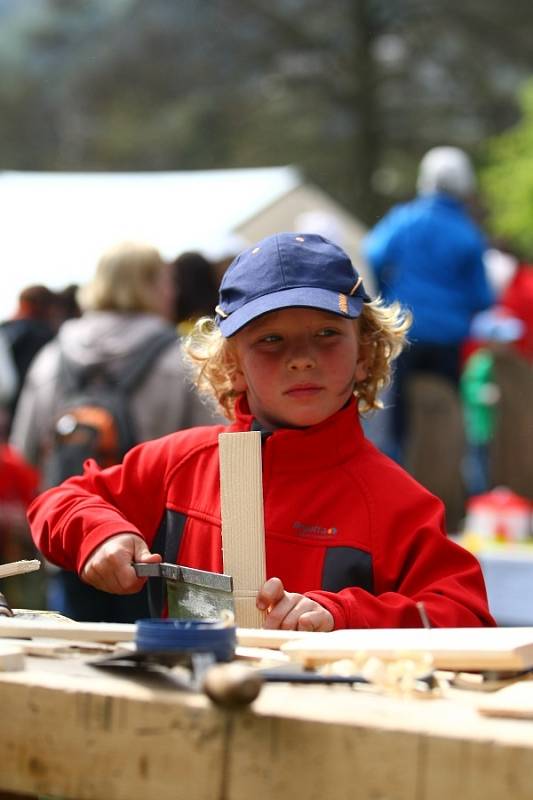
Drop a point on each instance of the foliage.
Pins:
(507, 179)
(352, 92)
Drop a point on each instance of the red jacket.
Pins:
(343, 523)
(18, 487)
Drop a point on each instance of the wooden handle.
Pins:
(232, 685)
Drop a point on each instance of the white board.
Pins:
(452, 648)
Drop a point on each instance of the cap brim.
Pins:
(301, 297)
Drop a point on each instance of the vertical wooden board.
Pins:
(243, 530)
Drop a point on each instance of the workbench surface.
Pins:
(73, 731)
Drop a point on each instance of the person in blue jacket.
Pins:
(428, 254)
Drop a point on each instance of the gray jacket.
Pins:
(164, 402)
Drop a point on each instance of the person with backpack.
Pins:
(110, 379)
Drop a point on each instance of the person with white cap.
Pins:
(297, 349)
(428, 254)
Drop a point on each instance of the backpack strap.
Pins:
(143, 359)
(75, 377)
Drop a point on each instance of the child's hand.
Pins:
(109, 567)
(290, 611)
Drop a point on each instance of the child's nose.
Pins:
(301, 357)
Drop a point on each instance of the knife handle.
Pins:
(147, 569)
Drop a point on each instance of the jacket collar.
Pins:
(444, 199)
(329, 443)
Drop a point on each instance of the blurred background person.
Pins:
(196, 289)
(127, 303)
(428, 254)
(510, 456)
(29, 329)
(517, 298)
(19, 483)
(492, 332)
(8, 383)
(66, 305)
(18, 486)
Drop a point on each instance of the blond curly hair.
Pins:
(382, 336)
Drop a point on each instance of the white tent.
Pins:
(56, 225)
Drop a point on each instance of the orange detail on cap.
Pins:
(343, 303)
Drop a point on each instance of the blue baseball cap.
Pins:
(288, 270)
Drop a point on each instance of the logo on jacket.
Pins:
(313, 531)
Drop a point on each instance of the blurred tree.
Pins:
(352, 92)
(507, 180)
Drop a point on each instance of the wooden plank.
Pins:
(243, 530)
(16, 628)
(11, 657)
(58, 648)
(512, 701)
(273, 639)
(13, 628)
(262, 654)
(452, 648)
(69, 730)
(19, 567)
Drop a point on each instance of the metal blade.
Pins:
(189, 601)
(175, 572)
(192, 593)
(197, 577)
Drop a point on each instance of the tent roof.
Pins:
(55, 225)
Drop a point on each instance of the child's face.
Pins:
(298, 366)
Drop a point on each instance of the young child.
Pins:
(296, 349)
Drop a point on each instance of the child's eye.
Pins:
(270, 338)
(327, 332)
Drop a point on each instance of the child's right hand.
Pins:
(109, 567)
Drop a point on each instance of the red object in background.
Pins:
(19, 483)
(499, 515)
(518, 298)
(468, 348)
(18, 479)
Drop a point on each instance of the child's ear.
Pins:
(361, 369)
(361, 365)
(238, 381)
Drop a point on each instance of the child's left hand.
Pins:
(291, 611)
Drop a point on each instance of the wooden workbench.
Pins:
(72, 731)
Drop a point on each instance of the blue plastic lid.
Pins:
(198, 635)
